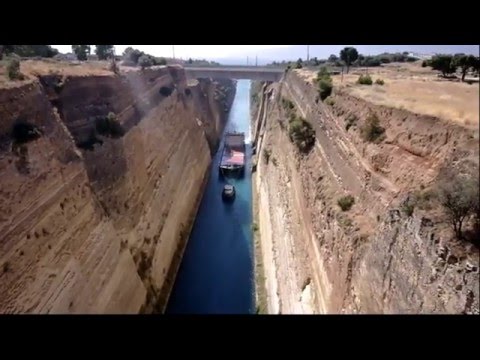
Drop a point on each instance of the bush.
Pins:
(424, 63)
(330, 101)
(372, 131)
(109, 126)
(287, 104)
(302, 134)
(324, 82)
(350, 121)
(165, 91)
(24, 132)
(325, 88)
(408, 207)
(379, 82)
(346, 202)
(13, 69)
(365, 80)
(266, 155)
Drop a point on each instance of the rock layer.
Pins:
(95, 222)
(373, 258)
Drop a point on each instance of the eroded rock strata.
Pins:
(95, 209)
(374, 258)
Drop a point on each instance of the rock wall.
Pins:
(95, 222)
(373, 258)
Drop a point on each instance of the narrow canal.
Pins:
(216, 275)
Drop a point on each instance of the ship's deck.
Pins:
(233, 157)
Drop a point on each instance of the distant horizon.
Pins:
(265, 54)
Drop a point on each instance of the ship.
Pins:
(232, 163)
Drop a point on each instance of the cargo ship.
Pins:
(233, 159)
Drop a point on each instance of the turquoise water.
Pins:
(216, 275)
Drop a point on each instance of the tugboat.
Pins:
(228, 193)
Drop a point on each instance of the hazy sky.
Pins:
(194, 51)
(267, 53)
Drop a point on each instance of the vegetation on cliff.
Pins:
(324, 81)
(371, 130)
(301, 134)
(459, 195)
(13, 69)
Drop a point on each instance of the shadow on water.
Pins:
(216, 274)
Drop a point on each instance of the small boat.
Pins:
(228, 192)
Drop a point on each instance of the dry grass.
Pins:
(33, 68)
(417, 89)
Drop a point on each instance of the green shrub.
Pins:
(346, 202)
(274, 161)
(255, 227)
(350, 121)
(372, 131)
(365, 80)
(325, 88)
(287, 104)
(13, 69)
(408, 207)
(324, 82)
(379, 82)
(302, 134)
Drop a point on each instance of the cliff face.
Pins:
(373, 258)
(95, 213)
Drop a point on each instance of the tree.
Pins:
(464, 62)
(298, 64)
(476, 64)
(348, 55)
(443, 63)
(459, 197)
(190, 61)
(82, 51)
(131, 56)
(29, 50)
(333, 58)
(104, 52)
(145, 61)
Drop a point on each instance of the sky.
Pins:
(237, 54)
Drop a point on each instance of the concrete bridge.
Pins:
(234, 72)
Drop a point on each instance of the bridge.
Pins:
(235, 72)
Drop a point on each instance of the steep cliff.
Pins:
(100, 179)
(375, 257)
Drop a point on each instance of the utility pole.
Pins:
(308, 53)
(247, 60)
(173, 51)
(256, 60)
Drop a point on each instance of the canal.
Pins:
(216, 274)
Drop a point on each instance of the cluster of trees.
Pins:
(201, 62)
(135, 57)
(103, 52)
(448, 64)
(28, 50)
